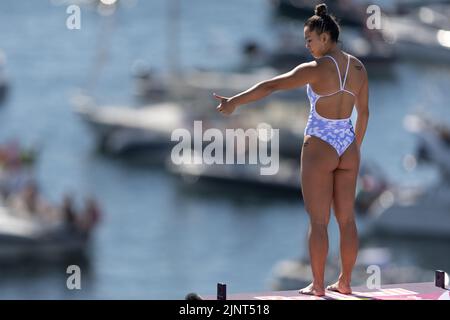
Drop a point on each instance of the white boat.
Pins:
(121, 129)
(32, 238)
(146, 132)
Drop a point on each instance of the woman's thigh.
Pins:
(318, 161)
(345, 179)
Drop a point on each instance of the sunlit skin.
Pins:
(318, 46)
(327, 180)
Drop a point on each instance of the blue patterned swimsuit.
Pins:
(338, 133)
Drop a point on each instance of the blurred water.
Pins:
(156, 239)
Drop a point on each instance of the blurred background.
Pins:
(86, 118)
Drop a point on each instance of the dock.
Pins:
(405, 291)
(437, 290)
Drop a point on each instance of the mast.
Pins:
(173, 41)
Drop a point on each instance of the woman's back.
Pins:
(336, 90)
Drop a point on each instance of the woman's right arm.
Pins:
(297, 77)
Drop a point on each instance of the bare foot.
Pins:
(340, 287)
(312, 290)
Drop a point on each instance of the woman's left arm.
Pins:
(362, 108)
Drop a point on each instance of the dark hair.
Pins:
(322, 22)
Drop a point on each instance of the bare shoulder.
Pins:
(319, 62)
(314, 69)
(307, 69)
(311, 65)
(357, 65)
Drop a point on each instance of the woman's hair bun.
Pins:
(322, 22)
(321, 10)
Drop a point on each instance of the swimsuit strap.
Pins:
(346, 72)
(339, 72)
(348, 92)
(341, 84)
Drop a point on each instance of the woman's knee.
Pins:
(346, 221)
(319, 224)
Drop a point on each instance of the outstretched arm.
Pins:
(295, 78)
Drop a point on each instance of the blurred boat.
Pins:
(350, 13)
(433, 141)
(409, 6)
(419, 211)
(30, 238)
(31, 227)
(126, 130)
(149, 85)
(413, 213)
(248, 178)
(4, 82)
(243, 176)
(196, 85)
(227, 83)
(371, 183)
(435, 15)
(426, 43)
(145, 132)
(290, 51)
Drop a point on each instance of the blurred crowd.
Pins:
(21, 196)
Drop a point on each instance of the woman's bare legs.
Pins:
(318, 161)
(345, 177)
